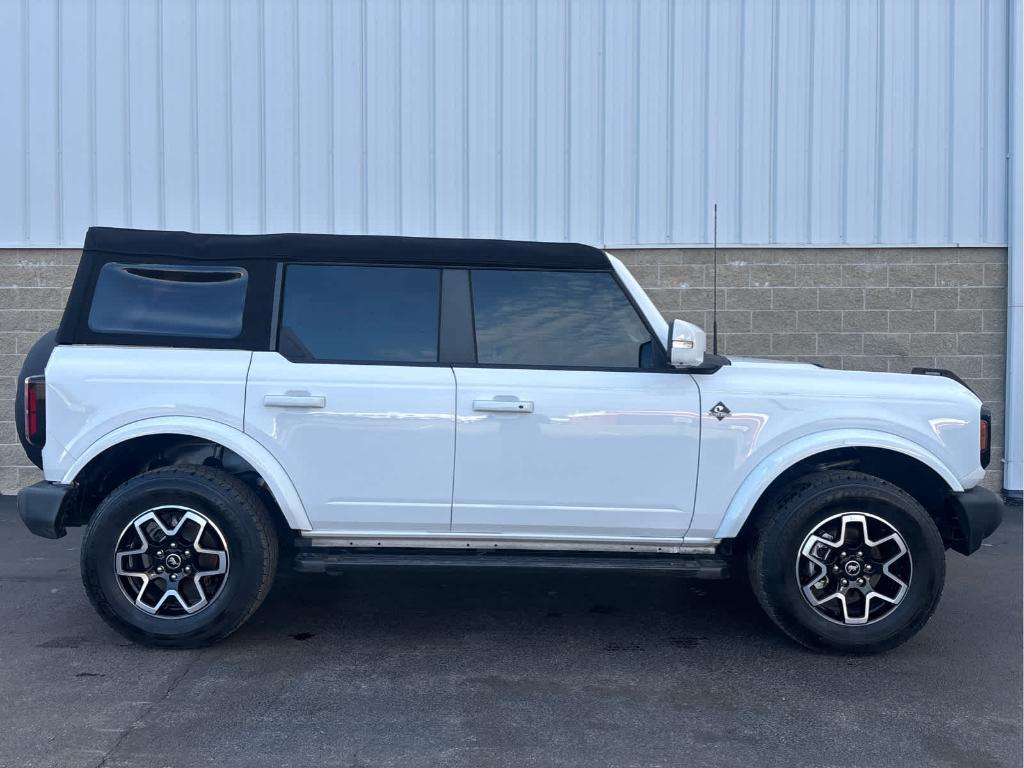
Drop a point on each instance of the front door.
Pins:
(353, 404)
(570, 425)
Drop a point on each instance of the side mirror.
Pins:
(686, 345)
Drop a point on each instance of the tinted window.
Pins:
(200, 302)
(360, 314)
(570, 319)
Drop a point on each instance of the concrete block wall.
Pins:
(862, 309)
(870, 309)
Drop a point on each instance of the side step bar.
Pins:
(337, 560)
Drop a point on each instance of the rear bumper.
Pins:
(42, 508)
(975, 515)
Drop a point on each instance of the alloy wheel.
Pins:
(171, 561)
(854, 568)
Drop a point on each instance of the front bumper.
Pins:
(975, 515)
(43, 507)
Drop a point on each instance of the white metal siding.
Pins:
(611, 122)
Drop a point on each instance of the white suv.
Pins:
(212, 404)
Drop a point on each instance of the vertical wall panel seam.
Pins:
(465, 120)
(161, 190)
(26, 126)
(535, 115)
(879, 122)
(983, 158)
(950, 121)
(296, 163)
(567, 115)
(705, 137)
(915, 180)
(262, 121)
(740, 116)
(636, 122)
(433, 117)
(129, 191)
(844, 206)
(195, 115)
(59, 188)
(670, 82)
(808, 206)
(364, 148)
(229, 145)
(399, 96)
(601, 186)
(773, 168)
(331, 221)
(499, 165)
(93, 128)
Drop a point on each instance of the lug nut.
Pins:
(860, 581)
(859, 553)
(174, 577)
(188, 553)
(159, 553)
(159, 569)
(188, 569)
(844, 582)
(835, 569)
(868, 567)
(174, 545)
(842, 554)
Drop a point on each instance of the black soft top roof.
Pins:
(345, 248)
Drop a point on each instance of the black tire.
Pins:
(243, 522)
(34, 365)
(810, 501)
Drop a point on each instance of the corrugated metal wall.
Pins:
(612, 122)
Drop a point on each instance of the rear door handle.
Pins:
(504, 406)
(294, 401)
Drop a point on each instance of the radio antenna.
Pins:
(714, 300)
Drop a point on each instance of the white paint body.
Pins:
(435, 452)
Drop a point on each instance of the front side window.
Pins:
(562, 319)
(360, 314)
(204, 302)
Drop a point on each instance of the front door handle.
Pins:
(504, 406)
(294, 401)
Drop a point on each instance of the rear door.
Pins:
(354, 404)
(570, 424)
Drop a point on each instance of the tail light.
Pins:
(35, 410)
(985, 436)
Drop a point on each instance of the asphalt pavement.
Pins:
(503, 668)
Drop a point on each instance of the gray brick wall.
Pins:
(861, 309)
(872, 309)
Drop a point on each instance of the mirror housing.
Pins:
(686, 344)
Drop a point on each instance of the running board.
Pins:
(334, 561)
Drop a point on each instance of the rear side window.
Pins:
(204, 302)
(360, 314)
(564, 319)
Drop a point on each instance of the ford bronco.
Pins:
(212, 406)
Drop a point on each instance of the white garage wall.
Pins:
(613, 122)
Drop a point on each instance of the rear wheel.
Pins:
(847, 562)
(180, 556)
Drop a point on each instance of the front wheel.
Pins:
(179, 557)
(847, 562)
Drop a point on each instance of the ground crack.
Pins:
(145, 713)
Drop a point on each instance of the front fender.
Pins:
(280, 485)
(773, 465)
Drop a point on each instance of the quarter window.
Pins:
(202, 302)
(360, 314)
(563, 319)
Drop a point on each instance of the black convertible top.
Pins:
(345, 248)
(261, 256)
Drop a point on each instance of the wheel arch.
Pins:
(147, 432)
(891, 457)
